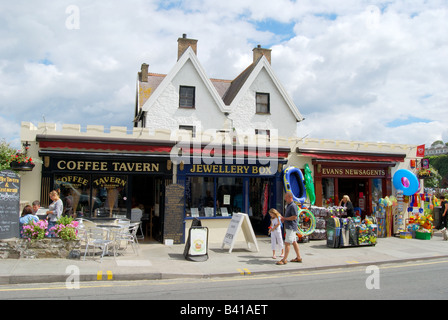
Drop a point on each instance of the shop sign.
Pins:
(232, 169)
(109, 182)
(350, 172)
(76, 182)
(110, 166)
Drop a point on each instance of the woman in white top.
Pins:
(54, 212)
(275, 231)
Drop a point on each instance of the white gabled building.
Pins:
(243, 133)
(186, 98)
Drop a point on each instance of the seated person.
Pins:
(26, 217)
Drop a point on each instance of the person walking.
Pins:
(275, 230)
(291, 228)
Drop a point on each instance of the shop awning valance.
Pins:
(352, 156)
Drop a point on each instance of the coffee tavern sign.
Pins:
(110, 166)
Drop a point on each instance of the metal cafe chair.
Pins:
(129, 235)
(98, 238)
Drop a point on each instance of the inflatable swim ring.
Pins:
(293, 181)
(407, 181)
(305, 214)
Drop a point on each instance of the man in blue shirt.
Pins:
(291, 228)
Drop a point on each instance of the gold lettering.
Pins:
(61, 165)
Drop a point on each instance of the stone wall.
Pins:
(36, 249)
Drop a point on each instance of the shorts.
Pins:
(291, 236)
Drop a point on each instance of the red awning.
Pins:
(103, 146)
(48, 144)
(355, 157)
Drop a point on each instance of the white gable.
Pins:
(163, 106)
(283, 112)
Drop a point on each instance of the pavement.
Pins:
(156, 261)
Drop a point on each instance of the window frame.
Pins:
(267, 105)
(188, 128)
(183, 96)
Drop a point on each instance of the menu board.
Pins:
(9, 204)
(174, 213)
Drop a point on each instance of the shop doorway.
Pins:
(357, 190)
(148, 195)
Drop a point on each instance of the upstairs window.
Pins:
(262, 100)
(263, 132)
(186, 97)
(192, 129)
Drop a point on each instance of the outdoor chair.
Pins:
(128, 234)
(136, 216)
(98, 238)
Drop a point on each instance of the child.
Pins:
(275, 230)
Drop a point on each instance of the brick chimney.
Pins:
(259, 51)
(184, 43)
(144, 73)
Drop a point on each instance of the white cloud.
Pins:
(352, 67)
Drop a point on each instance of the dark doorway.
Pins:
(354, 188)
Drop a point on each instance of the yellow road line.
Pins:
(259, 277)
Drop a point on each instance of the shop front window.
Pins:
(109, 196)
(200, 197)
(328, 192)
(258, 198)
(74, 191)
(229, 196)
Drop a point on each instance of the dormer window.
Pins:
(186, 97)
(263, 105)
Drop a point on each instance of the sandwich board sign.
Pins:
(239, 222)
(9, 204)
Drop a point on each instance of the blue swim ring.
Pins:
(408, 190)
(293, 182)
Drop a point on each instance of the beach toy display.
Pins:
(293, 182)
(406, 181)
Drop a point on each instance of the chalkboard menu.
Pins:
(9, 204)
(174, 213)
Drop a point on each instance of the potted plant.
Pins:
(66, 229)
(35, 230)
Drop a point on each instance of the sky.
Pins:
(374, 71)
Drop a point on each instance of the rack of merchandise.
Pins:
(351, 232)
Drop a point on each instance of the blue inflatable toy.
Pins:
(293, 181)
(407, 181)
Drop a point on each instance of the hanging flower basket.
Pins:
(22, 166)
(21, 162)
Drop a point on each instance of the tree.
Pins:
(440, 163)
(436, 143)
(6, 151)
